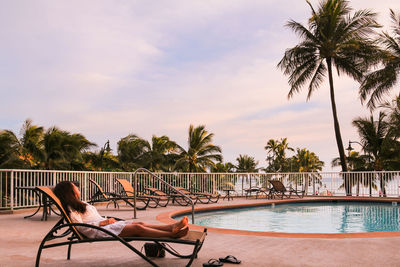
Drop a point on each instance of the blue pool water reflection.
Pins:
(321, 217)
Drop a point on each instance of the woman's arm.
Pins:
(107, 222)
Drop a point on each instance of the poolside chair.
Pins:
(178, 198)
(101, 196)
(203, 197)
(155, 201)
(279, 189)
(68, 232)
(257, 191)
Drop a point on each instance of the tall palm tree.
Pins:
(201, 153)
(334, 37)
(378, 83)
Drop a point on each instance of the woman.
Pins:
(82, 212)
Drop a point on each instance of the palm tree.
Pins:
(62, 150)
(10, 151)
(355, 161)
(334, 37)
(160, 154)
(30, 143)
(130, 151)
(246, 163)
(201, 153)
(307, 161)
(379, 82)
(377, 140)
(393, 111)
(223, 167)
(276, 158)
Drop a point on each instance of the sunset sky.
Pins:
(107, 69)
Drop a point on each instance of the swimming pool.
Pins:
(315, 217)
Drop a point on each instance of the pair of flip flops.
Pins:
(221, 261)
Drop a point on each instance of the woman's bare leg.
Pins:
(174, 227)
(141, 230)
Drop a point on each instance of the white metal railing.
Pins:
(368, 184)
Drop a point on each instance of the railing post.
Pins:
(242, 182)
(85, 184)
(54, 178)
(111, 185)
(12, 191)
(214, 186)
(313, 180)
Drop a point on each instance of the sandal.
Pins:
(213, 262)
(230, 259)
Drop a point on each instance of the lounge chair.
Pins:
(257, 191)
(129, 192)
(279, 189)
(66, 230)
(203, 197)
(178, 198)
(101, 196)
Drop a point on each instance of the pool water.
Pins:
(321, 217)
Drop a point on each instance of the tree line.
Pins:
(57, 149)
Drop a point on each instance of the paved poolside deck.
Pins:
(20, 238)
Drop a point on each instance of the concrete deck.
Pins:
(20, 239)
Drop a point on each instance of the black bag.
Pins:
(154, 250)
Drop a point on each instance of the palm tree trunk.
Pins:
(339, 141)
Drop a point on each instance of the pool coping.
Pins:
(166, 217)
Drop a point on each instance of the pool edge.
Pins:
(166, 217)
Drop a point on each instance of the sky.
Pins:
(107, 69)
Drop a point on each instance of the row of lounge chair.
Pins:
(277, 189)
(151, 197)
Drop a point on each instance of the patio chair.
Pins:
(68, 232)
(203, 197)
(257, 191)
(102, 196)
(213, 198)
(178, 198)
(129, 192)
(279, 189)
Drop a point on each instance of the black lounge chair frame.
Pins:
(175, 197)
(102, 196)
(72, 236)
(278, 188)
(257, 191)
(202, 197)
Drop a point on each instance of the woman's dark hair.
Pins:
(65, 192)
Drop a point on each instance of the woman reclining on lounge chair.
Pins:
(82, 212)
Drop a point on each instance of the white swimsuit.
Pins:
(92, 216)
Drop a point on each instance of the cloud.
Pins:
(111, 68)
